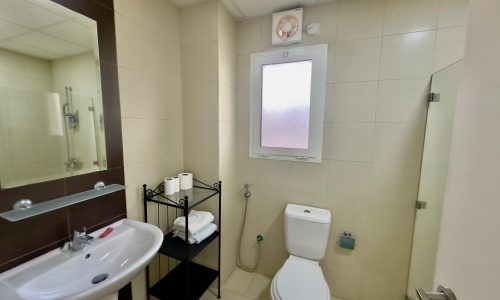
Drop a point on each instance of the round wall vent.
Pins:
(287, 27)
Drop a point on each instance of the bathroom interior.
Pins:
(340, 149)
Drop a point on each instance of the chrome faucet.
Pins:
(79, 241)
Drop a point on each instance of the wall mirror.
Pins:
(51, 109)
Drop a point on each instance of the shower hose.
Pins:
(242, 229)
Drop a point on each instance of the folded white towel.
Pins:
(197, 221)
(200, 236)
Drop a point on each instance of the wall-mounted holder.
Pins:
(347, 241)
(23, 211)
(23, 204)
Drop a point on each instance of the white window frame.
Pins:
(318, 55)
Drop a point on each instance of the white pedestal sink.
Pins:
(95, 272)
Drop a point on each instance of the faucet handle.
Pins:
(87, 239)
(82, 236)
(80, 232)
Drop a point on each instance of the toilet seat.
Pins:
(300, 279)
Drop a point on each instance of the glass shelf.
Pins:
(198, 194)
(41, 208)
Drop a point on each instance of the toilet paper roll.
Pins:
(169, 186)
(186, 181)
(176, 183)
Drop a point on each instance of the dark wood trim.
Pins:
(38, 235)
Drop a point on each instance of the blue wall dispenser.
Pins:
(347, 241)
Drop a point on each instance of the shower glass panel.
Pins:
(85, 136)
(433, 176)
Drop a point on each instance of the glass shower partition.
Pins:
(85, 135)
(434, 170)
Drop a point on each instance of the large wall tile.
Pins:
(407, 55)
(453, 13)
(308, 199)
(384, 274)
(200, 101)
(139, 94)
(243, 137)
(274, 173)
(311, 178)
(137, 135)
(201, 138)
(243, 105)
(394, 183)
(243, 73)
(398, 142)
(389, 224)
(353, 102)
(170, 101)
(227, 66)
(350, 14)
(326, 15)
(349, 181)
(352, 141)
(199, 62)
(449, 46)
(403, 101)
(410, 15)
(345, 282)
(196, 18)
(227, 103)
(357, 60)
(248, 37)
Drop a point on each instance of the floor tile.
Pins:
(239, 281)
(259, 287)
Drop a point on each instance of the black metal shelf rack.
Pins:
(195, 278)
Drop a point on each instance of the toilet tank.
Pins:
(306, 231)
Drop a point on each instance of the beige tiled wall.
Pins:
(182, 85)
(200, 89)
(209, 112)
(381, 56)
(149, 70)
(200, 97)
(471, 267)
(227, 137)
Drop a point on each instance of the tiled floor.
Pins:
(242, 285)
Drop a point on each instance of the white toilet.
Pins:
(306, 236)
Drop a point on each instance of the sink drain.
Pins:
(99, 278)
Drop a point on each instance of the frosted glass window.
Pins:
(286, 102)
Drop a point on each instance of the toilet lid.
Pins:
(301, 280)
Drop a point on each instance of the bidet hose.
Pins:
(242, 229)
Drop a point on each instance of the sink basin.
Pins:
(95, 272)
